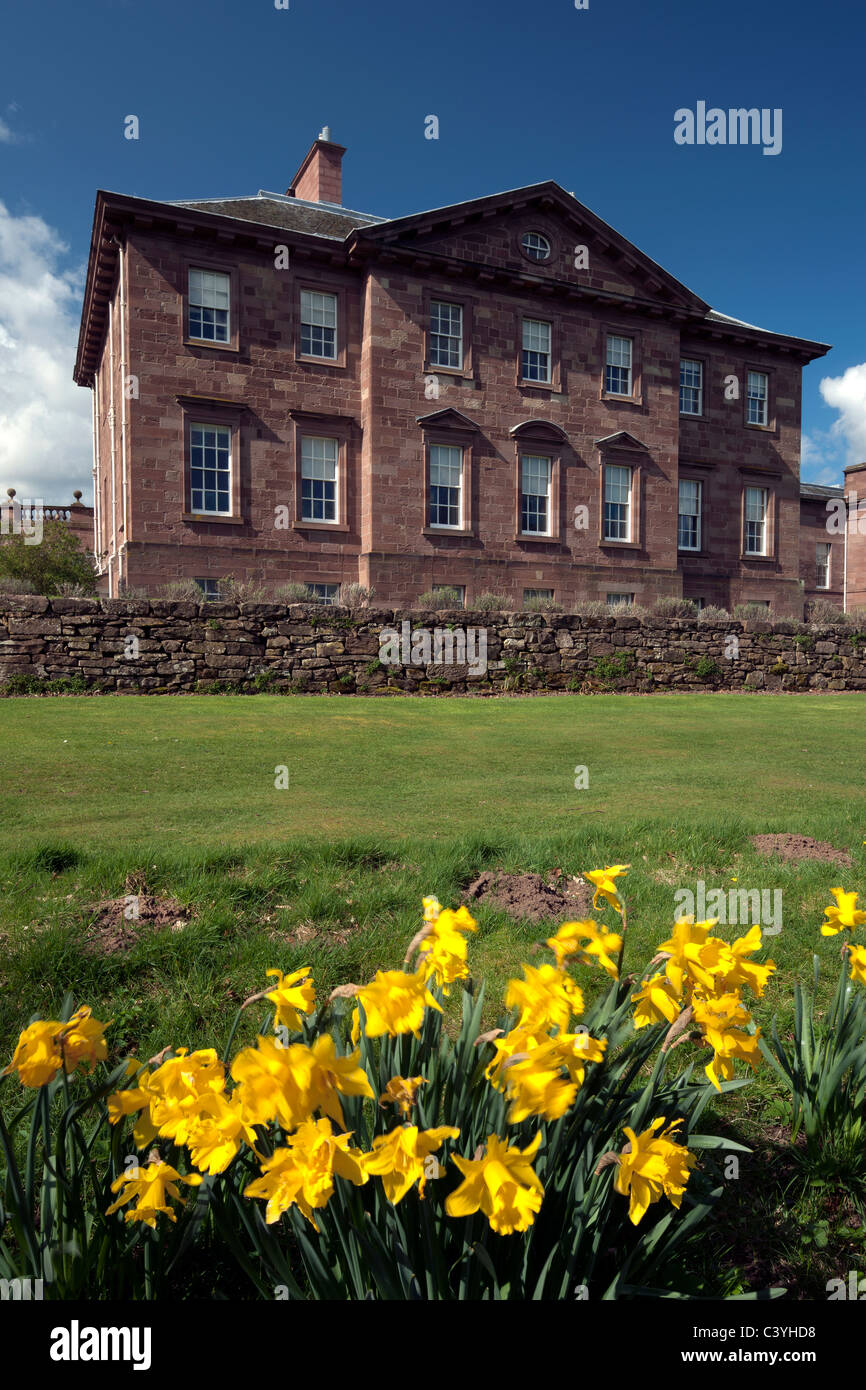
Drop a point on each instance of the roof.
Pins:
(819, 492)
(292, 214)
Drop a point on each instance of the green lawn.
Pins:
(198, 771)
(390, 799)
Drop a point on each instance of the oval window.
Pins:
(535, 246)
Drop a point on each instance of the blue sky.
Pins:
(231, 95)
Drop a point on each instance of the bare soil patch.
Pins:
(120, 922)
(531, 898)
(800, 847)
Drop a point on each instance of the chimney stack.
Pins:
(320, 177)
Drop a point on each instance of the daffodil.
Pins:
(152, 1186)
(651, 1166)
(443, 951)
(696, 958)
(857, 961)
(400, 1158)
(293, 995)
(432, 908)
(656, 1000)
(401, 1091)
(844, 914)
(589, 941)
(44, 1048)
(394, 1002)
(302, 1174)
(605, 887)
(216, 1135)
(273, 1083)
(723, 1022)
(178, 1087)
(502, 1184)
(748, 972)
(331, 1075)
(546, 997)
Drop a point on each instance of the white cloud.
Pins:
(45, 419)
(821, 458)
(847, 394)
(7, 134)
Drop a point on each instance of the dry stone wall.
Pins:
(151, 647)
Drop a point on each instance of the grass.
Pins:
(390, 800)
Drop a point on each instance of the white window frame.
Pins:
(318, 307)
(614, 600)
(757, 397)
(210, 589)
(455, 459)
(823, 562)
(617, 360)
(546, 595)
(615, 522)
(206, 293)
(223, 432)
(536, 475)
(459, 588)
(533, 242)
(694, 516)
(315, 465)
(695, 386)
(752, 493)
(533, 355)
(332, 595)
(442, 342)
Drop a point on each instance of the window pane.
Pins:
(446, 485)
(318, 478)
(617, 372)
(691, 387)
(446, 334)
(535, 474)
(617, 499)
(210, 468)
(318, 324)
(689, 517)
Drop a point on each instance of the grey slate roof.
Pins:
(818, 491)
(292, 214)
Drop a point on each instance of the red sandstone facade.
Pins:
(515, 347)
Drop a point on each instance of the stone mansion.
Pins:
(499, 395)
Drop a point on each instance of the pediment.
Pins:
(621, 440)
(446, 419)
(483, 237)
(542, 430)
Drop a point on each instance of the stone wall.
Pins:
(149, 647)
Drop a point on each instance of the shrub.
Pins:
(399, 1159)
(180, 591)
(751, 612)
(69, 590)
(355, 596)
(444, 598)
(591, 608)
(241, 591)
(822, 613)
(132, 591)
(58, 559)
(706, 669)
(541, 605)
(492, 603)
(10, 585)
(293, 593)
(674, 608)
(711, 614)
(627, 610)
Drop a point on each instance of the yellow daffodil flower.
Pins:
(394, 1003)
(443, 951)
(547, 998)
(152, 1186)
(696, 958)
(656, 1000)
(302, 1173)
(401, 1091)
(293, 995)
(44, 1047)
(603, 882)
(217, 1133)
(652, 1166)
(400, 1158)
(589, 941)
(723, 1021)
(747, 972)
(432, 908)
(502, 1184)
(844, 914)
(857, 961)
